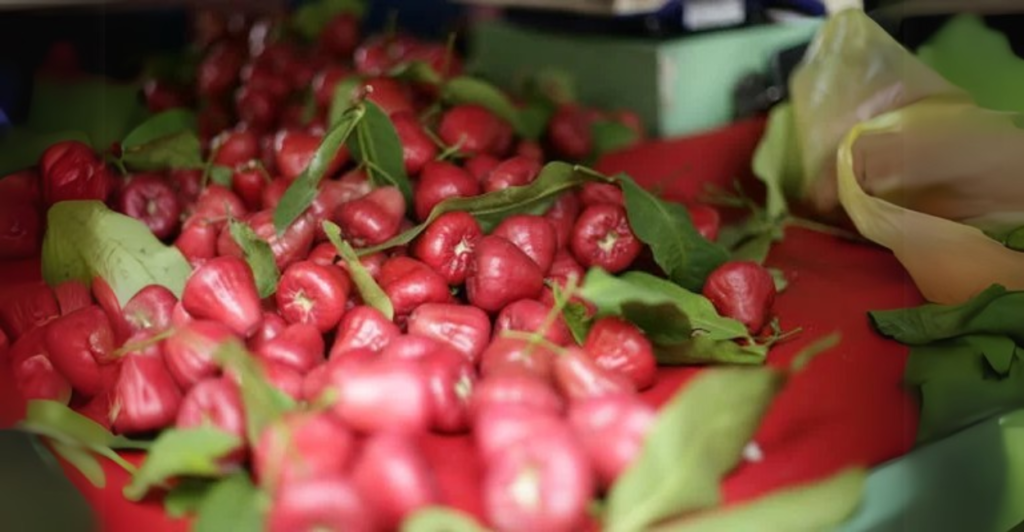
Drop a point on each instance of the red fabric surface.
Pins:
(846, 408)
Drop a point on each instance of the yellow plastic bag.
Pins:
(908, 157)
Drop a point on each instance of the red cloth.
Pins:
(846, 408)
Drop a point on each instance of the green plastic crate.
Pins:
(678, 86)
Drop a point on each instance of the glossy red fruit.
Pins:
(531, 150)
(447, 245)
(189, 352)
(273, 192)
(513, 355)
(300, 347)
(394, 477)
(295, 149)
(72, 171)
(372, 263)
(541, 483)
(329, 502)
(363, 327)
(620, 347)
(187, 182)
(197, 241)
(27, 307)
(72, 295)
(150, 309)
(743, 291)
(514, 390)
(145, 396)
(390, 95)
(500, 274)
(529, 315)
(602, 237)
(288, 247)
(21, 229)
(284, 378)
(333, 194)
(533, 235)
(612, 431)
(23, 186)
(218, 71)
(313, 294)
(473, 129)
(465, 328)
(562, 216)
(78, 344)
(565, 271)
(217, 203)
(38, 379)
(364, 396)
(451, 380)
(441, 58)
(249, 181)
(517, 171)
(235, 147)
(224, 290)
(302, 446)
(107, 300)
(417, 148)
(373, 218)
(480, 166)
(326, 81)
(569, 132)
(273, 325)
(439, 181)
(215, 403)
(378, 55)
(257, 107)
(706, 220)
(598, 193)
(34, 374)
(4, 341)
(579, 377)
(412, 347)
(410, 283)
(179, 316)
(162, 96)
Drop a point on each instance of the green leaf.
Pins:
(959, 385)
(178, 150)
(103, 111)
(376, 145)
(158, 126)
(576, 318)
(221, 175)
(780, 280)
(259, 256)
(416, 72)
(470, 90)
(191, 452)
(777, 161)
(686, 257)
(534, 119)
(186, 496)
(85, 239)
(440, 519)
(1015, 240)
(344, 99)
(691, 447)
(666, 312)
(310, 18)
(993, 311)
(61, 424)
(263, 404)
(609, 136)
(702, 350)
(303, 190)
(813, 350)
(369, 291)
(21, 148)
(233, 504)
(979, 60)
(83, 460)
(818, 506)
(492, 207)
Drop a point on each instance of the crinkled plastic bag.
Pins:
(908, 157)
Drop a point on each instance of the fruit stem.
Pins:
(534, 339)
(138, 346)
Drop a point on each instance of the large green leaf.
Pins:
(233, 504)
(193, 452)
(303, 190)
(103, 111)
(993, 311)
(369, 291)
(814, 507)
(376, 145)
(691, 447)
(686, 257)
(440, 519)
(85, 239)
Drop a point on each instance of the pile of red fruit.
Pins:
(478, 341)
